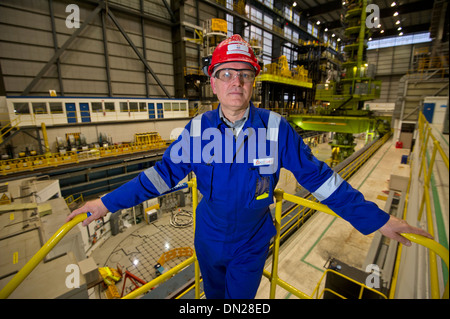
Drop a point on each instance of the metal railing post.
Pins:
(432, 256)
(193, 184)
(427, 175)
(424, 147)
(276, 247)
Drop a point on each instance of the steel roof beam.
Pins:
(63, 48)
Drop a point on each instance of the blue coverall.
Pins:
(237, 177)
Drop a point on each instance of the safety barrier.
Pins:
(31, 163)
(425, 134)
(362, 289)
(56, 238)
(431, 65)
(9, 127)
(304, 213)
(275, 281)
(71, 199)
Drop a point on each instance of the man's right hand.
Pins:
(95, 207)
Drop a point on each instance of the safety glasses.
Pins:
(227, 75)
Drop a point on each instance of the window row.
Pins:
(57, 107)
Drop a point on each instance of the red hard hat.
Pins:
(233, 49)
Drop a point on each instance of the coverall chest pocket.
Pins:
(204, 174)
(261, 189)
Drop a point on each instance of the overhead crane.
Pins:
(343, 95)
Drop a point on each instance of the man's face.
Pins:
(234, 95)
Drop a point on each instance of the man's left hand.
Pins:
(395, 226)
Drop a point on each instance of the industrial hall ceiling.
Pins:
(406, 16)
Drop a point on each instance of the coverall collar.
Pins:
(254, 120)
(239, 122)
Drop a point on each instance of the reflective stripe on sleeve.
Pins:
(328, 188)
(273, 126)
(156, 180)
(196, 126)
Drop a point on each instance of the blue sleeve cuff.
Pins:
(351, 205)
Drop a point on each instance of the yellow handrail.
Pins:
(30, 163)
(363, 287)
(145, 288)
(425, 134)
(160, 279)
(5, 130)
(400, 246)
(308, 203)
(279, 194)
(39, 256)
(435, 248)
(286, 286)
(303, 213)
(71, 199)
(430, 244)
(273, 276)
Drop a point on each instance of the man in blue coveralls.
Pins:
(236, 152)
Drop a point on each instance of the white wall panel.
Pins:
(392, 63)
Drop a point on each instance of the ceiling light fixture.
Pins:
(395, 14)
(398, 22)
(393, 4)
(401, 33)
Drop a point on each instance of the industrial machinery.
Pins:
(207, 37)
(347, 92)
(281, 68)
(341, 97)
(277, 80)
(214, 32)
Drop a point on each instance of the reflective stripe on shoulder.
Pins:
(156, 180)
(328, 188)
(196, 126)
(273, 126)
